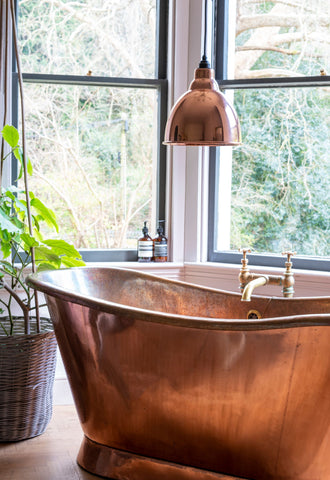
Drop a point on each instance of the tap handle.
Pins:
(245, 251)
(288, 280)
(288, 255)
(244, 273)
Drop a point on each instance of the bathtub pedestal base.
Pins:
(121, 465)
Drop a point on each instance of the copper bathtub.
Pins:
(172, 381)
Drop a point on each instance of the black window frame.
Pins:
(159, 83)
(220, 52)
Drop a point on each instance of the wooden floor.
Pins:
(50, 456)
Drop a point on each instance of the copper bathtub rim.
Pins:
(154, 316)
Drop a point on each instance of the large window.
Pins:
(273, 193)
(95, 97)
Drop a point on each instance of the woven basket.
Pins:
(27, 370)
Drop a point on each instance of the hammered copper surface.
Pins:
(175, 372)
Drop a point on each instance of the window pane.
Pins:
(107, 38)
(94, 156)
(280, 196)
(281, 39)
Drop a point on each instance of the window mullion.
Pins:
(93, 81)
(292, 82)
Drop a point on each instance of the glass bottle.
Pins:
(145, 246)
(160, 244)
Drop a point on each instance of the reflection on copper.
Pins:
(203, 115)
(172, 381)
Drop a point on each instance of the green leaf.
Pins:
(6, 249)
(44, 254)
(29, 241)
(10, 195)
(19, 156)
(18, 223)
(72, 262)
(61, 247)
(8, 268)
(20, 206)
(36, 232)
(45, 266)
(36, 222)
(5, 243)
(18, 152)
(14, 189)
(46, 213)
(10, 135)
(7, 224)
(29, 166)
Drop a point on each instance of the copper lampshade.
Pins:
(203, 116)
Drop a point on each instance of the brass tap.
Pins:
(288, 280)
(256, 282)
(244, 274)
(249, 281)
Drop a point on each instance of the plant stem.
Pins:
(27, 195)
(25, 308)
(4, 329)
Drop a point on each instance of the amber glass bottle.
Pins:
(145, 246)
(160, 244)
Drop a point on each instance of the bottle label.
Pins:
(145, 249)
(160, 249)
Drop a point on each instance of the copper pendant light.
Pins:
(203, 116)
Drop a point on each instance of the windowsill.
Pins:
(174, 270)
(138, 265)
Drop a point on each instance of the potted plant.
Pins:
(27, 340)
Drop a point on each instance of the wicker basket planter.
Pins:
(27, 370)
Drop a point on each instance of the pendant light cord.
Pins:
(204, 63)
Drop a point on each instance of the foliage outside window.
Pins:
(93, 97)
(280, 176)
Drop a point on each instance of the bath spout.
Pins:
(249, 281)
(248, 289)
